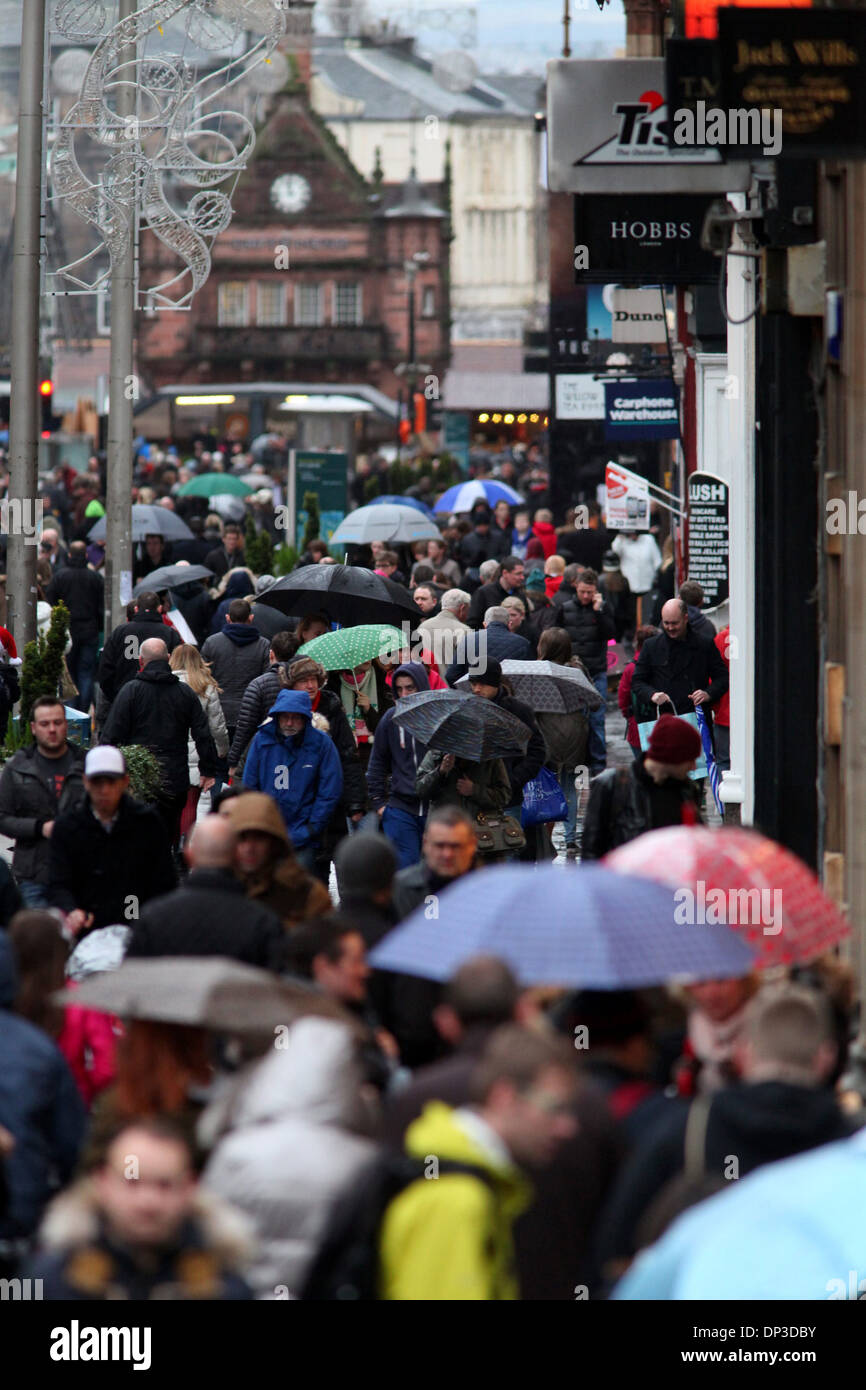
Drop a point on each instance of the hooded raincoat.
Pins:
(301, 772)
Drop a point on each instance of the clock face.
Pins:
(290, 193)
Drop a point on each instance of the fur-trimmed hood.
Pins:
(73, 1220)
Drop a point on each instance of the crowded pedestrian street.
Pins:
(432, 661)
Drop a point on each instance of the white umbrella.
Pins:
(391, 524)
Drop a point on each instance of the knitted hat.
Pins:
(673, 741)
(610, 561)
(490, 672)
(365, 864)
(535, 581)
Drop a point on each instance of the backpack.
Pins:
(692, 1185)
(346, 1267)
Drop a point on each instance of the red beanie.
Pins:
(673, 741)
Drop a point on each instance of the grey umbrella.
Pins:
(390, 523)
(547, 687)
(148, 521)
(200, 991)
(171, 577)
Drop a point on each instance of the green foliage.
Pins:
(372, 488)
(285, 559)
(42, 665)
(314, 521)
(258, 549)
(145, 773)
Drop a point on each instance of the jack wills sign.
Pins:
(808, 64)
(643, 239)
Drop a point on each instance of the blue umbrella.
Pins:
(588, 928)
(463, 496)
(453, 721)
(395, 501)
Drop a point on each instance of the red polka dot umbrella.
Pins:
(758, 888)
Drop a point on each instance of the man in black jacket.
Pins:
(655, 790)
(38, 783)
(209, 915)
(495, 643)
(109, 855)
(157, 711)
(229, 554)
(236, 655)
(679, 666)
(119, 662)
(83, 592)
(588, 619)
(511, 579)
(486, 681)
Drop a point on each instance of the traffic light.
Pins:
(420, 404)
(404, 430)
(46, 399)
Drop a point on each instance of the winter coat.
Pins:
(493, 643)
(221, 562)
(490, 596)
(283, 885)
(722, 711)
(258, 698)
(159, 712)
(77, 1259)
(236, 656)
(759, 1122)
(302, 773)
(623, 699)
(522, 767)
(119, 661)
(491, 786)
(290, 1151)
(700, 624)
(441, 636)
(10, 690)
(589, 630)
(452, 1239)
(208, 916)
(39, 1105)
(83, 592)
(544, 532)
(393, 766)
(109, 873)
(639, 559)
(239, 586)
(88, 1041)
(27, 802)
(216, 722)
(678, 668)
(625, 802)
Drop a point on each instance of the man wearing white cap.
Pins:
(109, 855)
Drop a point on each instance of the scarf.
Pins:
(713, 1044)
(349, 692)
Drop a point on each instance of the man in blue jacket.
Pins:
(396, 754)
(300, 768)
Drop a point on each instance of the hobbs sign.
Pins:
(643, 239)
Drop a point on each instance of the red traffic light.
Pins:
(46, 388)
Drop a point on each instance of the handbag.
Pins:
(543, 800)
(498, 834)
(645, 730)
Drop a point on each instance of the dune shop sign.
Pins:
(810, 64)
(643, 239)
(641, 410)
(607, 132)
(708, 536)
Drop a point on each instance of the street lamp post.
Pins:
(26, 262)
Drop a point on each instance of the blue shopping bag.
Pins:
(543, 800)
(644, 731)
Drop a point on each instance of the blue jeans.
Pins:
(597, 741)
(82, 668)
(569, 791)
(306, 857)
(33, 894)
(404, 831)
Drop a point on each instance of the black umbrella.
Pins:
(348, 594)
(171, 577)
(466, 725)
(268, 621)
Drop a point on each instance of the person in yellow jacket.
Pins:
(448, 1235)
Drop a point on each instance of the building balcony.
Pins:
(343, 343)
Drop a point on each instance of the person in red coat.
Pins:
(632, 736)
(722, 711)
(542, 529)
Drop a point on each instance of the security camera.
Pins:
(718, 227)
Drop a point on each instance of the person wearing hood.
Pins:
(782, 1107)
(160, 713)
(299, 767)
(40, 1109)
(238, 583)
(265, 862)
(236, 656)
(295, 1144)
(393, 769)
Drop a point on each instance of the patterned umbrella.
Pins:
(549, 688)
(591, 929)
(463, 496)
(210, 484)
(347, 648)
(758, 888)
(466, 725)
(347, 593)
(391, 524)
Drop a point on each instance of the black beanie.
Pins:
(365, 864)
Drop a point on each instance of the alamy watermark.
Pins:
(703, 906)
(743, 125)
